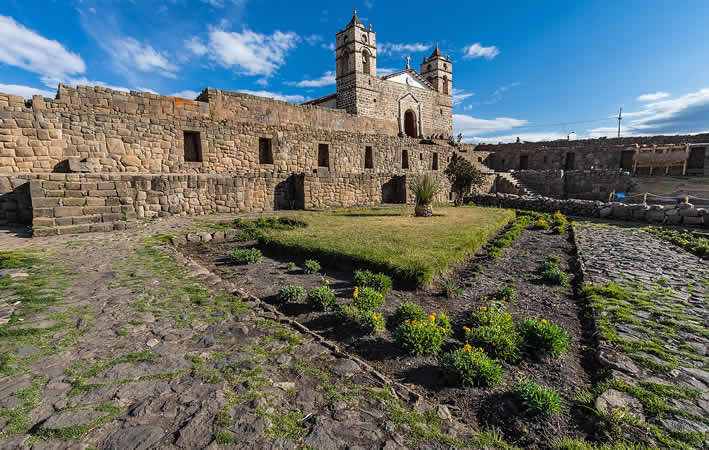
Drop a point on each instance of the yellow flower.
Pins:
(484, 298)
(406, 321)
(483, 308)
(467, 347)
(490, 322)
(443, 330)
(431, 317)
(356, 292)
(544, 321)
(327, 281)
(466, 329)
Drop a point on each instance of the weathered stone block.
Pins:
(65, 211)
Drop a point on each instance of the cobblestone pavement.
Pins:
(653, 326)
(116, 341)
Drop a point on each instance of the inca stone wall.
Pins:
(78, 203)
(588, 153)
(584, 184)
(112, 131)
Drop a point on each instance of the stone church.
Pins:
(419, 103)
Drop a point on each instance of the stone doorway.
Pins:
(410, 123)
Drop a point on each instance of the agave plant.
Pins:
(425, 189)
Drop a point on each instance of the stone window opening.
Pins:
(265, 151)
(434, 164)
(323, 155)
(420, 156)
(445, 85)
(192, 146)
(404, 159)
(365, 63)
(570, 161)
(368, 158)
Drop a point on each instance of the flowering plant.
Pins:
(420, 337)
(471, 367)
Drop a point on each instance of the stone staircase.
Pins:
(510, 182)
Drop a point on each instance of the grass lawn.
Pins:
(410, 249)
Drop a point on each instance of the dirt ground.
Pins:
(571, 373)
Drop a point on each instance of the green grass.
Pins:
(410, 249)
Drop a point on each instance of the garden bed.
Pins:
(469, 283)
(410, 249)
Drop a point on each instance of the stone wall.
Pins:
(78, 203)
(680, 214)
(581, 154)
(111, 131)
(589, 184)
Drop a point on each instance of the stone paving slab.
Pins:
(654, 327)
(146, 349)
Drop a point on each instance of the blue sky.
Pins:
(537, 70)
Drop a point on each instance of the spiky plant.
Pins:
(425, 189)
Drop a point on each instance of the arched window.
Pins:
(445, 85)
(365, 62)
(345, 63)
(445, 66)
(428, 68)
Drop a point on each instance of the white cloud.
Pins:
(132, 54)
(471, 126)
(384, 71)
(652, 97)
(507, 138)
(467, 107)
(313, 39)
(25, 91)
(459, 95)
(330, 46)
(190, 95)
(196, 46)
(221, 3)
(23, 48)
(327, 79)
(478, 51)
(251, 53)
(274, 95)
(685, 114)
(386, 48)
(497, 95)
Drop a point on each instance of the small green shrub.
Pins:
(443, 321)
(538, 399)
(224, 437)
(559, 223)
(311, 266)
(420, 337)
(453, 289)
(247, 235)
(368, 299)
(322, 298)
(290, 266)
(493, 330)
(245, 256)
(290, 293)
(471, 367)
(407, 311)
(506, 293)
(368, 321)
(542, 337)
(371, 322)
(378, 281)
(540, 224)
(551, 273)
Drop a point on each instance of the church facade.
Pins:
(418, 104)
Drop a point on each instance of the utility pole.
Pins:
(620, 117)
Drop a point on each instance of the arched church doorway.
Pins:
(410, 124)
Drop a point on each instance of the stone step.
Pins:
(84, 228)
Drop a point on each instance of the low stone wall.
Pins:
(681, 214)
(79, 203)
(592, 184)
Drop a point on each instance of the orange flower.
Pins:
(466, 329)
(443, 330)
(483, 308)
(467, 347)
